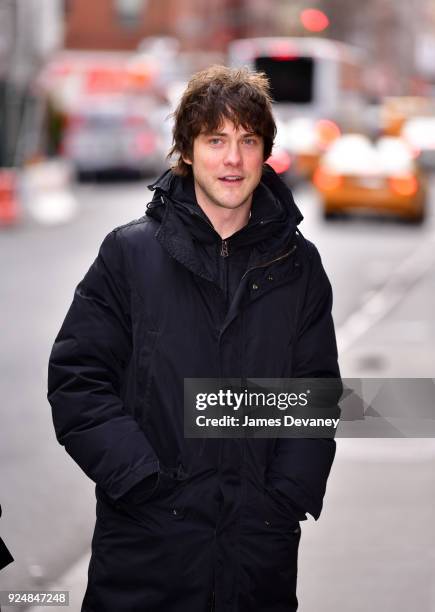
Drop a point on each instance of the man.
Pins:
(214, 281)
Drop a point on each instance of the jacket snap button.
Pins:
(175, 511)
(267, 523)
(296, 264)
(255, 286)
(270, 277)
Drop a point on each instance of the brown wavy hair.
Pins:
(216, 93)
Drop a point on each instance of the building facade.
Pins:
(122, 24)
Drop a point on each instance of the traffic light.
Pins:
(314, 20)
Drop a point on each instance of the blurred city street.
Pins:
(374, 547)
(86, 96)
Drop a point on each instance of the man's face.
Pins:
(227, 166)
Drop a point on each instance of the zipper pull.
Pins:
(224, 248)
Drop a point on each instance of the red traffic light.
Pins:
(314, 20)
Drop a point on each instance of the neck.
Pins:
(226, 221)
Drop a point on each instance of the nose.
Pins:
(232, 154)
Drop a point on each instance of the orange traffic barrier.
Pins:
(9, 202)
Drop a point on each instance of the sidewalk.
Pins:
(74, 581)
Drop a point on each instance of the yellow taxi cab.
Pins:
(393, 115)
(419, 134)
(396, 110)
(358, 175)
(306, 139)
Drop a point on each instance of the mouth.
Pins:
(231, 179)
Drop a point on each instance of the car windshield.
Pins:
(395, 156)
(420, 131)
(355, 154)
(352, 154)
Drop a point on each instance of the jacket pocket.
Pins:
(162, 502)
(279, 513)
(268, 511)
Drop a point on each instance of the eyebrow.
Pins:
(225, 134)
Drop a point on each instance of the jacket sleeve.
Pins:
(85, 377)
(300, 466)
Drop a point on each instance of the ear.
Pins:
(186, 160)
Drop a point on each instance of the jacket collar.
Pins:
(182, 222)
(168, 181)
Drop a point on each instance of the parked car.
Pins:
(114, 133)
(358, 175)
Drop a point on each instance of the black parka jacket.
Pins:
(166, 299)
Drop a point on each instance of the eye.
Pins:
(215, 141)
(250, 140)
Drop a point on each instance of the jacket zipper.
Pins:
(268, 263)
(224, 248)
